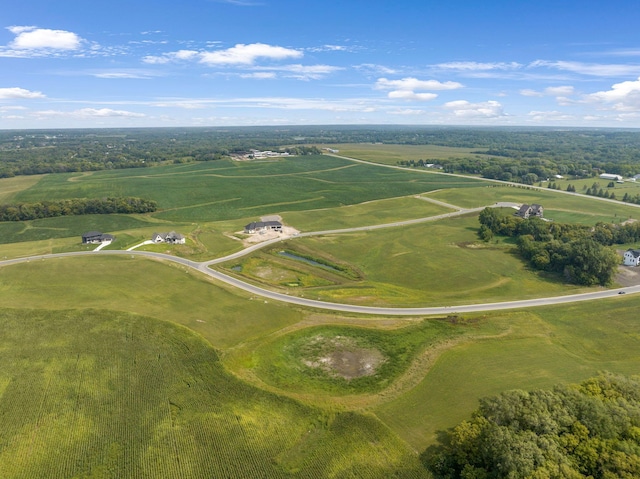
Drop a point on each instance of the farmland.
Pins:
(122, 366)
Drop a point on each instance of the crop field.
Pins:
(223, 190)
(435, 263)
(92, 393)
(391, 154)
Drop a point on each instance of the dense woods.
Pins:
(58, 151)
(591, 430)
(581, 253)
(510, 154)
(76, 206)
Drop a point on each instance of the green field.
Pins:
(121, 366)
(433, 263)
(223, 190)
(92, 393)
(391, 154)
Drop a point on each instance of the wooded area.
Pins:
(591, 430)
(75, 206)
(578, 252)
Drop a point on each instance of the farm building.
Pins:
(95, 237)
(526, 211)
(259, 226)
(171, 238)
(632, 257)
(607, 176)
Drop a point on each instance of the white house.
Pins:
(632, 257)
(607, 176)
(260, 226)
(170, 238)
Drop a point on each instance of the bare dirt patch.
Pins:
(628, 276)
(341, 356)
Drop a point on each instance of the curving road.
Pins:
(203, 267)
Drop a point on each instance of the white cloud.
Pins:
(591, 69)
(260, 75)
(407, 112)
(377, 69)
(478, 66)
(91, 113)
(413, 84)
(171, 57)
(465, 109)
(405, 89)
(302, 72)
(13, 93)
(33, 38)
(242, 54)
(546, 116)
(411, 95)
(623, 96)
(123, 75)
(557, 91)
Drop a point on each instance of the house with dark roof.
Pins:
(527, 211)
(263, 226)
(631, 257)
(170, 238)
(95, 237)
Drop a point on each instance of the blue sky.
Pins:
(138, 63)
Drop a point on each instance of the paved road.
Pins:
(379, 311)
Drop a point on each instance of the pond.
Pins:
(307, 260)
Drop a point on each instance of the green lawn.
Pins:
(364, 214)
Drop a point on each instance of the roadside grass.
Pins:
(537, 349)
(391, 154)
(369, 213)
(437, 263)
(224, 317)
(93, 393)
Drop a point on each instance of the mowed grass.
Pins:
(392, 154)
(535, 349)
(102, 394)
(434, 263)
(223, 190)
(364, 214)
(557, 206)
(136, 285)
(9, 187)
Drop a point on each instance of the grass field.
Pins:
(535, 349)
(391, 154)
(437, 263)
(578, 208)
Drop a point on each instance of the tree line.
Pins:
(75, 206)
(590, 430)
(580, 253)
